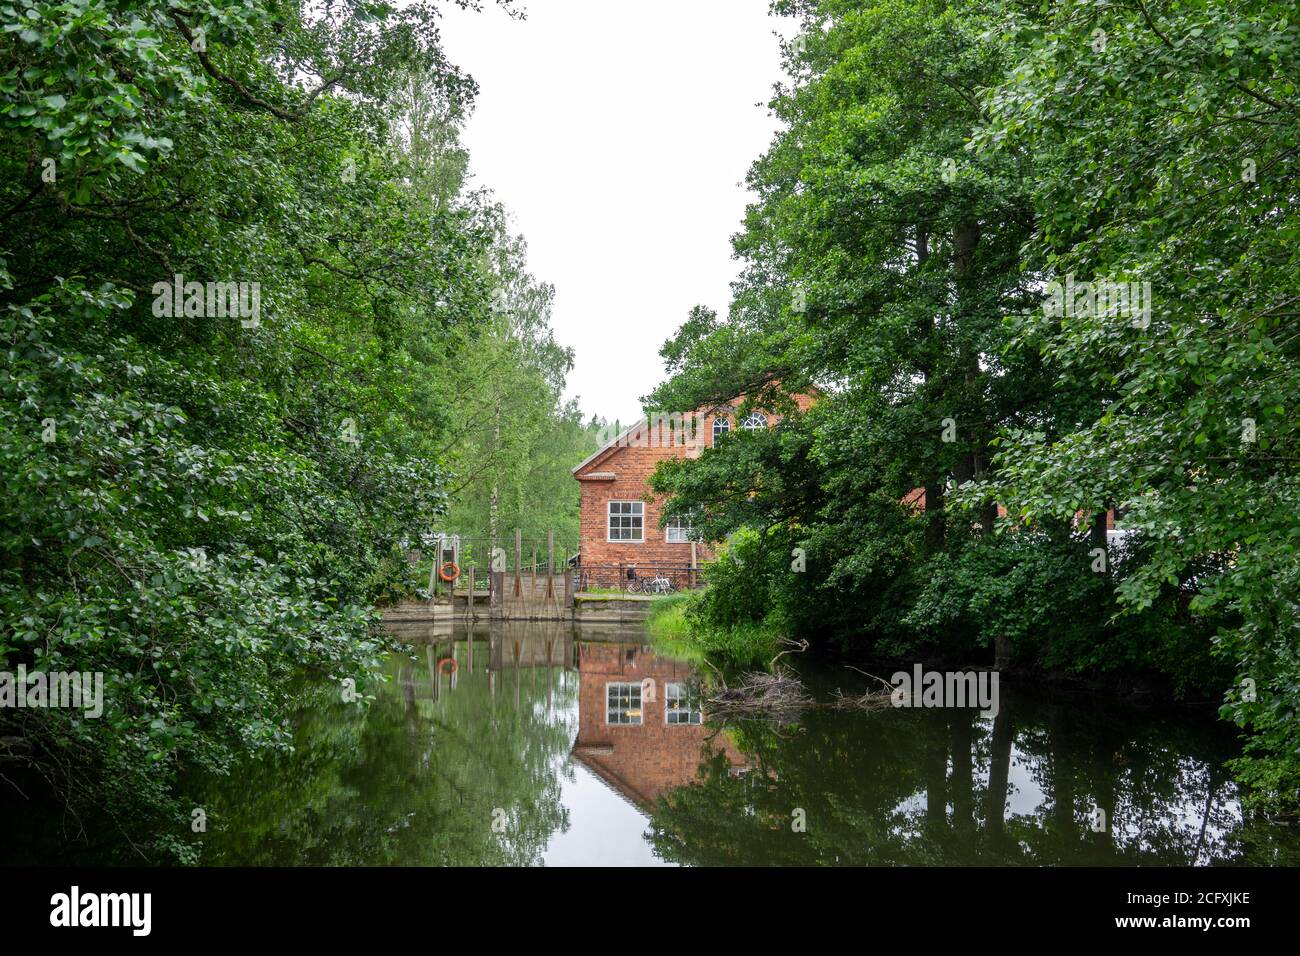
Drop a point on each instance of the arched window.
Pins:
(754, 421)
(721, 425)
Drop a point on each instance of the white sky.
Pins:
(618, 133)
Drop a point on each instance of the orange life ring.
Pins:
(455, 571)
(448, 660)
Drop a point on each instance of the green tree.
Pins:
(880, 260)
(1164, 135)
(198, 505)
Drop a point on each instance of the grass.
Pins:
(683, 635)
(668, 627)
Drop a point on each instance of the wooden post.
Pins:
(531, 600)
(550, 566)
(469, 598)
(434, 682)
(568, 582)
(519, 560)
(694, 565)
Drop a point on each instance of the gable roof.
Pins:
(621, 787)
(618, 440)
(607, 446)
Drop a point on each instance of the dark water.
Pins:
(516, 761)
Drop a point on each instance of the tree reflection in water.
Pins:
(952, 787)
(420, 775)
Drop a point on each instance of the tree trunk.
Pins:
(935, 521)
(1097, 536)
(970, 466)
(494, 500)
(1002, 652)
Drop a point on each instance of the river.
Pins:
(540, 745)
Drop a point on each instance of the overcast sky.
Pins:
(619, 134)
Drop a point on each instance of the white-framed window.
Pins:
(678, 531)
(681, 706)
(721, 425)
(623, 703)
(626, 520)
(754, 421)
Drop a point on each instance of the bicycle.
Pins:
(655, 585)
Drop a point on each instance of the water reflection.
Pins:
(1043, 783)
(459, 761)
(527, 743)
(640, 722)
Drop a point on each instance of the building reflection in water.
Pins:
(640, 720)
(640, 723)
(418, 775)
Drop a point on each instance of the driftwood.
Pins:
(877, 699)
(14, 749)
(791, 647)
(778, 696)
(871, 700)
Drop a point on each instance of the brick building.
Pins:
(620, 517)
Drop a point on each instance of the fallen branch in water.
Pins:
(779, 696)
(791, 647)
(871, 700)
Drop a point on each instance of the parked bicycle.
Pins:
(656, 585)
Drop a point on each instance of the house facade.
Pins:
(620, 515)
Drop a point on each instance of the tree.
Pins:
(204, 498)
(1165, 135)
(880, 260)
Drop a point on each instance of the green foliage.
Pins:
(731, 623)
(913, 787)
(685, 631)
(940, 162)
(1169, 156)
(667, 621)
(517, 440)
(408, 780)
(1040, 595)
(199, 507)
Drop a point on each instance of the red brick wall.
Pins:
(632, 462)
(633, 466)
